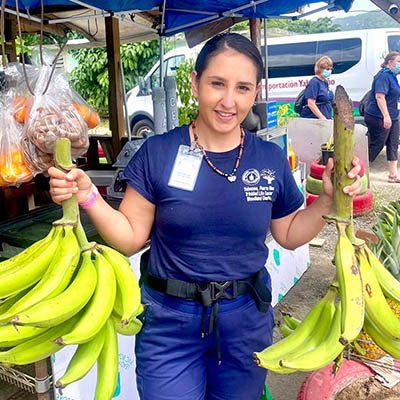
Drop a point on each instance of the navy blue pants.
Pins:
(378, 137)
(175, 363)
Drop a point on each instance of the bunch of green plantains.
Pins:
(357, 301)
(64, 290)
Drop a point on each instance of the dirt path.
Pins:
(315, 282)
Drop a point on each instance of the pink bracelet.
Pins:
(92, 198)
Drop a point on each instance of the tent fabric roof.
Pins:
(141, 19)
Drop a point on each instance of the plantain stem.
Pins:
(63, 161)
(81, 236)
(343, 126)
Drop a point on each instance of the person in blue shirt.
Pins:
(207, 194)
(318, 98)
(382, 114)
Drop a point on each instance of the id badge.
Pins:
(186, 168)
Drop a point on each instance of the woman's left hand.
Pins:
(353, 189)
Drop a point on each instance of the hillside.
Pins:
(369, 20)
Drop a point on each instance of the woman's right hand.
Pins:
(64, 185)
(387, 122)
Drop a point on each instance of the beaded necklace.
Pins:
(230, 177)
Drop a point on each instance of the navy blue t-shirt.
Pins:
(319, 91)
(384, 82)
(217, 231)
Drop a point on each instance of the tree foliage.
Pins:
(368, 20)
(33, 39)
(304, 26)
(90, 78)
(188, 108)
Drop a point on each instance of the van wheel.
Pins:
(142, 128)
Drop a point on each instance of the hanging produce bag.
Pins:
(20, 96)
(35, 159)
(13, 169)
(54, 116)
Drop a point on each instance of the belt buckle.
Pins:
(217, 290)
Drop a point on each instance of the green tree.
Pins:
(33, 39)
(90, 78)
(189, 108)
(300, 26)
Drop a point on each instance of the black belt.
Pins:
(209, 293)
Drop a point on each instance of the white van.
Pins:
(357, 56)
(139, 102)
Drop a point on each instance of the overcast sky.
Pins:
(357, 7)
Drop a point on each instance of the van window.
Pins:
(294, 59)
(345, 53)
(394, 43)
(171, 65)
(298, 59)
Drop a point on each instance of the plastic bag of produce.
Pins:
(13, 169)
(35, 159)
(15, 82)
(53, 115)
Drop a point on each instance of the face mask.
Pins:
(396, 69)
(327, 72)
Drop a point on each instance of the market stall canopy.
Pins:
(147, 19)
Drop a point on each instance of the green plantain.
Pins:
(56, 310)
(32, 270)
(375, 302)
(126, 281)
(97, 311)
(83, 360)
(65, 259)
(323, 354)
(107, 364)
(351, 287)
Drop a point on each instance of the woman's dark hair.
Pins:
(225, 41)
(389, 57)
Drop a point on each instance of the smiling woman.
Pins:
(207, 194)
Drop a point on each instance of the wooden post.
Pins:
(115, 104)
(255, 35)
(13, 50)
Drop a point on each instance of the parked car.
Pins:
(139, 102)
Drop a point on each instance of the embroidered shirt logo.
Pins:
(254, 191)
(251, 177)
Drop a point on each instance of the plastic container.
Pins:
(325, 154)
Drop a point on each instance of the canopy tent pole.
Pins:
(161, 61)
(255, 35)
(266, 58)
(127, 123)
(162, 29)
(115, 104)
